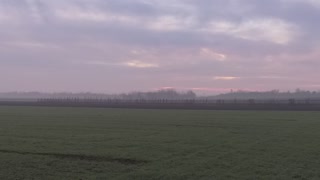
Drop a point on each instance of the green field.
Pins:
(88, 143)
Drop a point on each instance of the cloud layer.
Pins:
(119, 46)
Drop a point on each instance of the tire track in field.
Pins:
(126, 161)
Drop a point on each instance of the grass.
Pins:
(88, 143)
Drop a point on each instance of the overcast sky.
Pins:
(112, 46)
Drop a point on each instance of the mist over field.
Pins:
(169, 94)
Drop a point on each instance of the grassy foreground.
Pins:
(84, 143)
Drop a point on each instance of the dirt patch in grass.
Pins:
(126, 161)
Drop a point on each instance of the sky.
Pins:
(110, 46)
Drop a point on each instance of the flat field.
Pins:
(88, 143)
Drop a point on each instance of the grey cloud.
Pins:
(169, 33)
